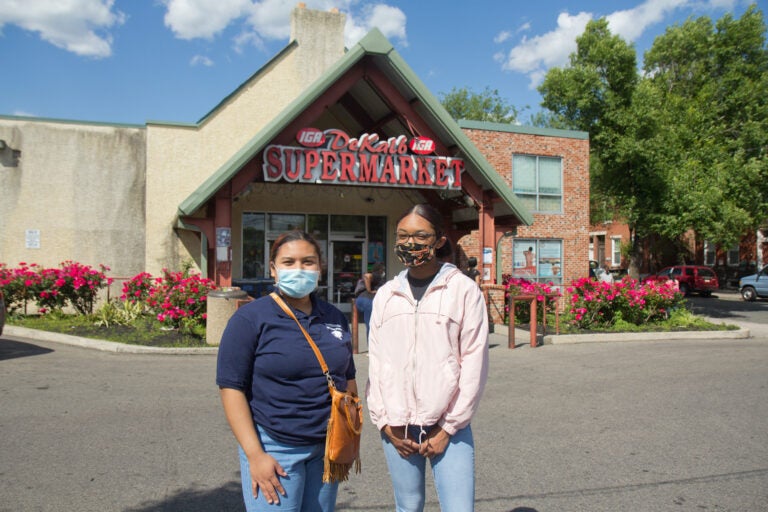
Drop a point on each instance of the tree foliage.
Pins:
(489, 106)
(682, 146)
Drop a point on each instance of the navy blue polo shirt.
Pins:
(264, 354)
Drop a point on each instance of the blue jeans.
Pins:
(365, 305)
(304, 487)
(453, 470)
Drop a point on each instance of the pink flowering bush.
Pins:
(515, 286)
(138, 289)
(53, 289)
(178, 299)
(595, 304)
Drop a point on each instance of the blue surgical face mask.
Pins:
(297, 283)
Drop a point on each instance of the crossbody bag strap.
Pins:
(318, 354)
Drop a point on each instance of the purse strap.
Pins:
(318, 354)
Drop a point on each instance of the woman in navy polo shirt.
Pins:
(274, 393)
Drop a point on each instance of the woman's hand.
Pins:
(404, 446)
(264, 476)
(436, 442)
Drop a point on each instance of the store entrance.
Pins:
(344, 269)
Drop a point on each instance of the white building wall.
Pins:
(81, 185)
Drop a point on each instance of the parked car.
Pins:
(691, 278)
(755, 285)
(2, 312)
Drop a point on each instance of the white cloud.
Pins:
(502, 36)
(534, 56)
(271, 19)
(190, 19)
(201, 60)
(631, 23)
(79, 26)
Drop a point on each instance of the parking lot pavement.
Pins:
(640, 426)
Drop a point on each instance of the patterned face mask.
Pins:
(413, 254)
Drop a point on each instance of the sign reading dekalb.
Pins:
(333, 157)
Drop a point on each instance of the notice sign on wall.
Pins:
(333, 157)
(32, 239)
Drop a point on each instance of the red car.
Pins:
(691, 278)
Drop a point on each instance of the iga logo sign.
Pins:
(310, 137)
(422, 145)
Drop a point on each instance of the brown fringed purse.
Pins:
(342, 441)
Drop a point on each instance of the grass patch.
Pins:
(141, 331)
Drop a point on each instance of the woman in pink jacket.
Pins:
(428, 364)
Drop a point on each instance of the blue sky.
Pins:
(133, 61)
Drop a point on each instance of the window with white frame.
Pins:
(615, 251)
(538, 182)
(709, 253)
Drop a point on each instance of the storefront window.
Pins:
(538, 182)
(377, 241)
(347, 243)
(538, 260)
(253, 246)
(348, 225)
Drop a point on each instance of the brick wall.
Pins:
(498, 144)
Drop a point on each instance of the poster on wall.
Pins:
(549, 259)
(524, 257)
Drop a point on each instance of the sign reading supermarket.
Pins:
(333, 157)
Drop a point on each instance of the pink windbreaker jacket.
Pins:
(428, 360)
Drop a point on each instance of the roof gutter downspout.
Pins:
(498, 253)
(203, 245)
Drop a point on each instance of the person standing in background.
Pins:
(472, 271)
(364, 300)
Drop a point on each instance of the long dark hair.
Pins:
(435, 218)
(292, 236)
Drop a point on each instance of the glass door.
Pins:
(345, 268)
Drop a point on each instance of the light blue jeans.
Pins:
(453, 470)
(365, 305)
(304, 487)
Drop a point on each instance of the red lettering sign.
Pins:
(422, 145)
(333, 157)
(310, 137)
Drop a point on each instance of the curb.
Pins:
(104, 346)
(549, 339)
(565, 339)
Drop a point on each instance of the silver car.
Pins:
(755, 285)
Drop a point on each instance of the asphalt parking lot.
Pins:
(637, 426)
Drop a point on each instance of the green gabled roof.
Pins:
(374, 43)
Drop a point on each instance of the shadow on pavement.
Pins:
(724, 307)
(10, 349)
(224, 499)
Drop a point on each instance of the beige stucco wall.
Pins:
(82, 186)
(181, 158)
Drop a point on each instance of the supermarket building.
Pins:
(335, 141)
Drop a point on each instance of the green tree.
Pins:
(489, 106)
(709, 84)
(595, 93)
